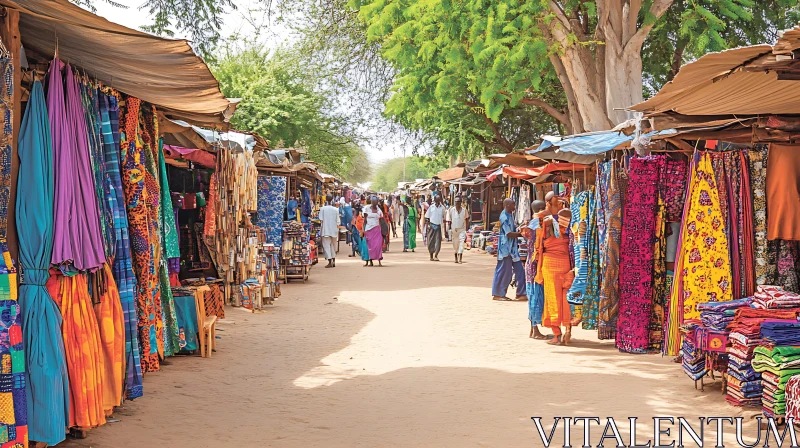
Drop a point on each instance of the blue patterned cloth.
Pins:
(507, 247)
(271, 197)
(122, 268)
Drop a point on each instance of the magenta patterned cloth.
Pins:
(637, 254)
(77, 240)
(674, 184)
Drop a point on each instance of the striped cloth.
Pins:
(122, 267)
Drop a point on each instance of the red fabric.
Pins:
(526, 172)
(195, 155)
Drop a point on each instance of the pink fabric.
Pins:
(637, 254)
(194, 155)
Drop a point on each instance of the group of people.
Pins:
(371, 223)
(547, 271)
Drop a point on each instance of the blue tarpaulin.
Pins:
(589, 144)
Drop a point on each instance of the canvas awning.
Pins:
(455, 172)
(164, 72)
(520, 172)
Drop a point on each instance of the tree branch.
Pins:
(560, 116)
(560, 14)
(657, 9)
(677, 58)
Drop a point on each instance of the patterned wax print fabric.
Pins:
(703, 274)
(524, 207)
(13, 406)
(765, 263)
(111, 321)
(169, 232)
(215, 303)
(611, 189)
(210, 225)
(271, 200)
(660, 290)
(82, 345)
(636, 255)
(122, 268)
(102, 185)
(674, 185)
(793, 398)
(585, 288)
(142, 236)
(171, 332)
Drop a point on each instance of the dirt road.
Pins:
(414, 354)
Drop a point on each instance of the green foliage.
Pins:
(390, 173)
(280, 103)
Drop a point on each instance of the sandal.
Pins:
(502, 299)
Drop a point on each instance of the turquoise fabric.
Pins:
(186, 312)
(47, 384)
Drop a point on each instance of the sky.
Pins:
(235, 22)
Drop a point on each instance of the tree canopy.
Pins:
(280, 102)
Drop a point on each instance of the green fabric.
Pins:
(412, 227)
(172, 341)
(779, 354)
(169, 233)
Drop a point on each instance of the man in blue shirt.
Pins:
(508, 260)
(291, 209)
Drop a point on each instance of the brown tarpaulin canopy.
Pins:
(161, 71)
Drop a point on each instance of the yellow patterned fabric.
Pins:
(705, 274)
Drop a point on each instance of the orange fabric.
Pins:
(359, 222)
(82, 348)
(557, 276)
(783, 192)
(112, 338)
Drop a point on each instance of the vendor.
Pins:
(291, 208)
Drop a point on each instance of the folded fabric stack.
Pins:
(694, 360)
(776, 365)
(744, 383)
(781, 333)
(774, 297)
(793, 398)
(718, 315)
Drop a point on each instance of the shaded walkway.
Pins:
(410, 355)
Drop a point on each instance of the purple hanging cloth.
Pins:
(77, 239)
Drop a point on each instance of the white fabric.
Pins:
(459, 236)
(330, 221)
(457, 220)
(329, 247)
(435, 214)
(372, 219)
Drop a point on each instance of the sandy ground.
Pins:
(414, 354)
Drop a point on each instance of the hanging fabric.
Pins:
(764, 254)
(110, 319)
(142, 234)
(102, 184)
(660, 290)
(611, 188)
(271, 201)
(122, 267)
(46, 381)
(585, 288)
(637, 256)
(77, 241)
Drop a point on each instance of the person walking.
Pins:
(534, 290)
(356, 227)
(346, 214)
(508, 260)
(434, 218)
(457, 223)
(410, 225)
(373, 216)
(329, 215)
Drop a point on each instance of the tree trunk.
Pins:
(623, 82)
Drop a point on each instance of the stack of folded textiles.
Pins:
(718, 315)
(744, 383)
(694, 360)
(793, 398)
(781, 332)
(774, 297)
(777, 364)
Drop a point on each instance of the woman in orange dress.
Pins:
(556, 264)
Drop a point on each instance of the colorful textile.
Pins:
(169, 232)
(637, 256)
(85, 362)
(102, 184)
(506, 247)
(765, 264)
(77, 237)
(111, 322)
(13, 411)
(535, 292)
(374, 243)
(186, 312)
(660, 290)
(611, 189)
(142, 236)
(210, 224)
(555, 273)
(271, 199)
(586, 287)
(122, 267)
(46, 380)
(783, 194)
(793, 398)
(171, 332)
(787, 259)
(702, 265)
(215, 302)
(412, 227)
(674, 188)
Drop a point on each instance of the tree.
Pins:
(503, 52)
(280, 103)
(390, 173)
